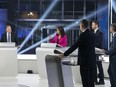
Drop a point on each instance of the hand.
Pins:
(61, 55)
(102, 50)
(18, 46)
(50, 37)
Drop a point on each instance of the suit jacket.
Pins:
(86, 49)
(62, 41)
(13, 38)
(112, 51)
(99, 39)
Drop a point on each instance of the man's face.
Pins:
(93, 26)
(8, 29)
(81, 27)
(111, 29)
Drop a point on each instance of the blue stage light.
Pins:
(36, 44)
(113, 5)
(39, 22)
(66, 28)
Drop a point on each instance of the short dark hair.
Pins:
(113, 25)
(96, 22)
(61, 29)
(85, 23)
(8, 25)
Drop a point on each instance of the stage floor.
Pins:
(33, 80)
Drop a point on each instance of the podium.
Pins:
(59, 75)
(41, 52)
(8, 60)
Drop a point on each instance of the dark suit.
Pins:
(13, 38)
(86, 56)
(99, 44)
(112, 60)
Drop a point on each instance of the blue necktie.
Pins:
(8, 37)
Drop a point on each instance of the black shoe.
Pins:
(100, 83)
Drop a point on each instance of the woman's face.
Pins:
(57, 31)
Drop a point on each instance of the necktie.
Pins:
(8, 37)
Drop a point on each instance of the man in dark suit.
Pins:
(98, 44)
(86, 54)
(8, 36)
(112, 57)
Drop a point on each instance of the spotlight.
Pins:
(36, 44)
(66, 29)
(113, 5)
(30, 14)
(38, 23)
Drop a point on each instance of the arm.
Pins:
(64, 44)
(79, 42)
(16, 39)
(99, 41)
(52, 40)
(113, 49)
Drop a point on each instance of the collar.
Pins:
(84, 30)
(114, 33)
(8, 33)
(96, 30)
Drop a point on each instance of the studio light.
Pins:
(51, 6)
(66, 28)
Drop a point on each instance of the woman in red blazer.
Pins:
(60, 37)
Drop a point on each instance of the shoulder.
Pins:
(65, 36)
(13, 33)
(99, 31)
(115, 37)
(56, 36)
(4, 34)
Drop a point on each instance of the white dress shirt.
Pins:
(7, 36)
(114, 33)
(96, 30)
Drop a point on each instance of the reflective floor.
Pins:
(33, 80)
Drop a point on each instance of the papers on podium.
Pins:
(98, 51)
(50, 45)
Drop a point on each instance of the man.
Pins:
(8, 36)
(98, 44)
(86, 54)
(112, 57)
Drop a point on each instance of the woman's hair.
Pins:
(61, 29)
(113, 26)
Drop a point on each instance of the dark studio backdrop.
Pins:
(16, 13)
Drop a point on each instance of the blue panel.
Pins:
(3, 20)
(23, 32)
(103, 21)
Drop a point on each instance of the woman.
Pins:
(60, 37)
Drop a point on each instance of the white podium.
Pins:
(8, 62)
(41, 54)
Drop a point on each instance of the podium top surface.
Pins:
(50, 45)
(7, 44)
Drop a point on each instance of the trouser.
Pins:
(87, 76)
(112, 73)
(100, 69)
